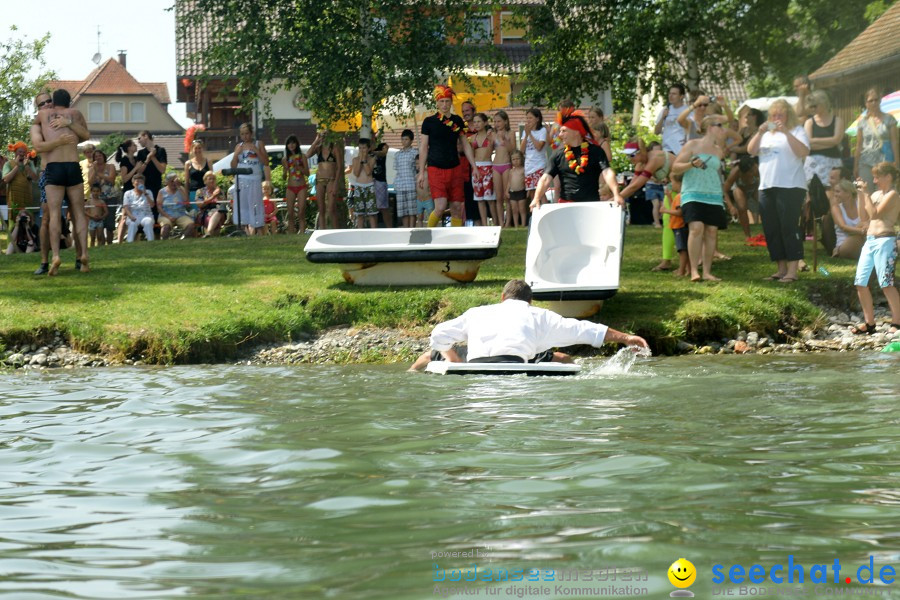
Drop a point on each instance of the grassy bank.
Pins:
(204, 300)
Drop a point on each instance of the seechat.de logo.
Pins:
(682, 574)
(795, 572)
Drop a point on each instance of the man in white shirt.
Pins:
(673, 134)
(516, 331)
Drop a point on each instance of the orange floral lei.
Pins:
(448, 122)
(570, 156)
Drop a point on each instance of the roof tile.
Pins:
(188, 47)
(160, 90)
(879, 41)
(112, 78)
(70, 85)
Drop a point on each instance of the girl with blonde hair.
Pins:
(849, 222)
(504, 144)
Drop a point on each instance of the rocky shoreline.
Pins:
(54, 354)
(354, 345)
(345, 345)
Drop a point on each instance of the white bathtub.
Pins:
(574, 255)
(405, 256)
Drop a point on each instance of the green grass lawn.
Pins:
(202, 300)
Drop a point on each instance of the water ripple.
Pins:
(339, 482)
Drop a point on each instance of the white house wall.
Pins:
(283, 107)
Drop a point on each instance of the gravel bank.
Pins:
(349, 345)
(345, 345)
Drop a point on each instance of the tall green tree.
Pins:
(344, 56)
(582, 46)
(110, 143)
(18, 86)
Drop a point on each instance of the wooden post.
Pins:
(815, 243)
(204, 108)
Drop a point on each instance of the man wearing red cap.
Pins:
(579, 163)
(438, 152)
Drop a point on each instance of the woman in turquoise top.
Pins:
(702, 201)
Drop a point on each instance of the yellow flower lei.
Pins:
(570, 156)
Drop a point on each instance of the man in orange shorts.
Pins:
(438, 153)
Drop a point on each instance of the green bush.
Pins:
(111, 143)
(278, 181)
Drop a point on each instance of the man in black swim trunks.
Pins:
(60, 131)
(44, 101)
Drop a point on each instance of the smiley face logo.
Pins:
(682, 573)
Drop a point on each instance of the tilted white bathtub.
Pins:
(574, 255)
(405, 256)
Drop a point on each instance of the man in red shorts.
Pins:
(438, 152)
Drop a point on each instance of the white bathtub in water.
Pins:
(574, 255)
(405, 256)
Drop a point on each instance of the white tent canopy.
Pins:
(765, 102)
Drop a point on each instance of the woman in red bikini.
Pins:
(482, 182)
(296, 170)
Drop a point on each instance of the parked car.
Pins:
(276, 153)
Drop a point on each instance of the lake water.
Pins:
(346, 482)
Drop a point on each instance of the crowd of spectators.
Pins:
(709, 167)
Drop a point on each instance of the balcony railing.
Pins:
(219, 140)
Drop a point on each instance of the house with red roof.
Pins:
(113, 101)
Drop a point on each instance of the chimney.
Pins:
(122, 58)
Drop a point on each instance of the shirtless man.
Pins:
(60, 131)
(43, 101)
(879, 252)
